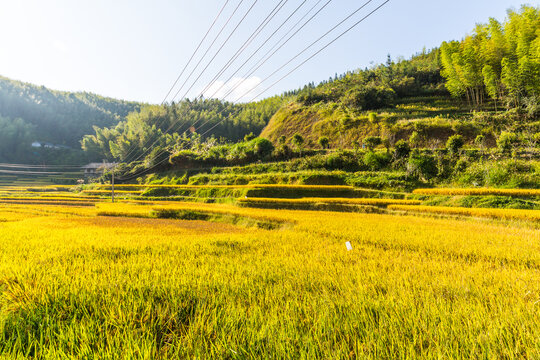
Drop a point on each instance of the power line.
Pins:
(309, 58)
(326, 46)
(259, 48)
(312, 44)
(133, 148)
(261, 27)
(253, 54)
(194, 53)
(267, 57)
(257, 65)
(27, 166)
(309, 20)
(210, 47)
(312, 56)
(296, 56)
(16, 172)
(257, 31)
(206, 67)
(217, 53)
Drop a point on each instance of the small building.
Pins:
(96, 168)
(48, 145)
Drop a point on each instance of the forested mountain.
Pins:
(224, 121)
(30, 113)
(487, 83)
(484, 84)
(349, 107)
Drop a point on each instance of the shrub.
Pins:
(402, 150)
(342, 161)
(506, 142)
(249, 137)
(298, 141)
(323, 142)
(422, 166)
(372, 142)
(415, 139)
(262, 147)
(480, 141)
(376, 161)
(283, 151)
(369, 97)
(461, 165)
(454, 144)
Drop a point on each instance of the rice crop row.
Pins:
(47, 198)
(506, 214)
(352, 201)
(251, 186)
(49, 202)
(108, 192)
(145, 209)
(478, 191)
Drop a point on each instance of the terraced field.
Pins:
(81, 277)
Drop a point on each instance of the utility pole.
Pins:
(105, 167)
(112, 183)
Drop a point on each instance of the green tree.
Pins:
(298, 142)
(324, 142)
(422, 166)
(507, 142)
(372, 142)
(415, 139)
(454, 144)
(402, 150)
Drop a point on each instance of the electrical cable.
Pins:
(309, 58)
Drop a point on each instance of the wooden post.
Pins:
(112, 182)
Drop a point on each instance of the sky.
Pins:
(135, 49)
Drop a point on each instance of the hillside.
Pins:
(369, 102)
(173, 125)
(30, 113)
(482, 92)
(486, 83)
(464, 114)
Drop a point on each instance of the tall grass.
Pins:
(77, 285)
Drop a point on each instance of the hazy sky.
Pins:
(135, 49)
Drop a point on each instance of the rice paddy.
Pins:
(479, 192)
(169, 279)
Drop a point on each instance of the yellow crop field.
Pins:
(350, 201)
(260, 186)
(479, 191)
(108, 192)
(507, 214)
(77, 284)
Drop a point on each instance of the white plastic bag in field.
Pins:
(348, 245)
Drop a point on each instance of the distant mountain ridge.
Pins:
(31, 113)
(46, 109)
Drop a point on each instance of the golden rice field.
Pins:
(351, 201)
(503, 214)
(479, 191)
(115, 281)
(249, 186)
(108, 192)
